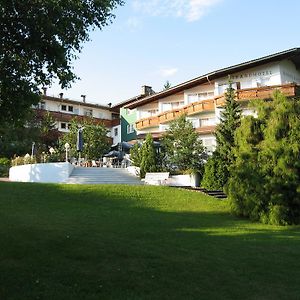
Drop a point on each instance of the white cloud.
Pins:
(168, 72)
(191, 10)
(133, 23)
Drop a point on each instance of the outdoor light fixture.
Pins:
(67, 147)
(51, 150)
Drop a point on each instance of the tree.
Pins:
(183, 148)
(216, 172)
(149, 157)
(265, 178)
(136, 154)
(38, 41)
(95, 139)
(39, 129)
(167, 85)
(49, 134)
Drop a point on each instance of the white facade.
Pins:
(277, 73)
(115, 134)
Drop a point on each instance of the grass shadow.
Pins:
(124, 242)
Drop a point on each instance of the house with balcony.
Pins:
(63, 110)
(202, 98)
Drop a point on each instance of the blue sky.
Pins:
(152, 41)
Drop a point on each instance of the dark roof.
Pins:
(64, 100)
(128, 101)
(292, 54)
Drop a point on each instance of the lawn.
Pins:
(123, 242)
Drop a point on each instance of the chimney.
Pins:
(147, 90)
(45, 91)
(83, 98)
(61, 95)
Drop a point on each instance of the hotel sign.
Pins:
(252, 74)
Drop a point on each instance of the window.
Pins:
(70, 108)
(207, 122)
(210, 145)
(130, 128)
(205, 96)
(42, 105)
(172, 105)
(116, 131)
(64, 107)
(200, 96)
(223, 87)
(88, 112)
(63, 126)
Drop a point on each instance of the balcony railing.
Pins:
(171, 115)
(65, 117)
(206, 129)
(209, 105)
(264, 92)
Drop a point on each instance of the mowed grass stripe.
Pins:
(138, 242)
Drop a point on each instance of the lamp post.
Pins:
(67, 147)
(32, 149)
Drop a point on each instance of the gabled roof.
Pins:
(292, 54)
(128, 101)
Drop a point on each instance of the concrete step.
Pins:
(82, 175)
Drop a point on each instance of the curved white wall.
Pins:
(51, 172)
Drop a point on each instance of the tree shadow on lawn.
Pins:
(65, 242)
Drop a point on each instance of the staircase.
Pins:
(81, 175)
(216, 194)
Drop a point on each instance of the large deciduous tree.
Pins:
(38, 41)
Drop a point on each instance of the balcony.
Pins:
(171, 115)
(65, 117)
(264, 92)
(209, 105)
(206, 129)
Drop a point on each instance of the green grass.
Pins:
(123, 242)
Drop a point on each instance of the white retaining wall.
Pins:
(50, 172)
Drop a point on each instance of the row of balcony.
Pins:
(65, 117)
(210, 105)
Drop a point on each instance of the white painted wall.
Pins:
(78, 109)
(47, 173)
(116, 138)
(268, 74)
(289, 73)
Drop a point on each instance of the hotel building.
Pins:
(64, 110)
(202, 98)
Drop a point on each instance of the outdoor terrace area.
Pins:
(265, 92)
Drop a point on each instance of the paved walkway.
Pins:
(6, 179)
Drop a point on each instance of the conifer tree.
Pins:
(149, 159)
(265, 178)
(136, 154)
(184, 149)
(216, 172)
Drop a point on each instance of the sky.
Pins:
(152, 41)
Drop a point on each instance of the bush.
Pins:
(4, 166)
(23, 160)
(215, 173)
(265, 178)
